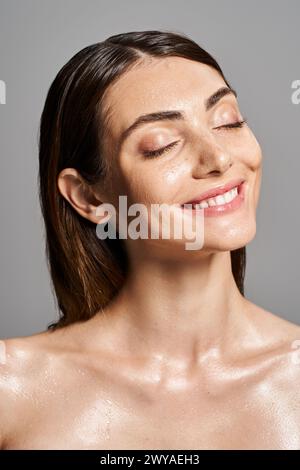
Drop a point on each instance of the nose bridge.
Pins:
(210, 156)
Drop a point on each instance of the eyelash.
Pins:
(158, 152)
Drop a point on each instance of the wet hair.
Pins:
(87, 272)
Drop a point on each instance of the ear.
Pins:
(79, 194)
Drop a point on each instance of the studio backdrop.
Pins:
(257, 45)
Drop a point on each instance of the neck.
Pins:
(179, 310)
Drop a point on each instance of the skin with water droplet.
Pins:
(2, 352)
(181, 360)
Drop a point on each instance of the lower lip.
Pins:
(226, 208)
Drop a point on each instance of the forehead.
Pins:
(158, 85)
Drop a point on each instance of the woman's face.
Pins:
(203, 154)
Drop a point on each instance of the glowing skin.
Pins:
(2, 352)
(180, 359)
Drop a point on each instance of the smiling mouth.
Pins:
(219, 200)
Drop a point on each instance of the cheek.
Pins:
(254, 162)
(257, 186)
(174, 175)
(252, 153)
(156, 182)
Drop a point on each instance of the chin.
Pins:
(232, 238)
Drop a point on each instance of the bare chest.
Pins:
(106, 420)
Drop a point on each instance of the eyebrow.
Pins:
(174, 115)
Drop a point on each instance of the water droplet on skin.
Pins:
(2, 353)
(108, 414)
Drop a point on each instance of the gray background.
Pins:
(256, 43)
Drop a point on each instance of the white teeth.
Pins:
(218, 200)
(211, 202)
(228, 196)
(203, 204)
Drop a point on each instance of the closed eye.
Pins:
(162, 150)
(157, 152)
(233, 125)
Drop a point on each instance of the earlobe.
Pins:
(78, 193)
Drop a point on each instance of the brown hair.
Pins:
(87, 272)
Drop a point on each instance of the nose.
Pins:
(211, 159)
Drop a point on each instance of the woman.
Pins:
(156, 346)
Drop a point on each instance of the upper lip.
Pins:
(220, 189)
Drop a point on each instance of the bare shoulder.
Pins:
(26, 363)
(278, 339)
(27, 357)
(25, 354)
(274, 325)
